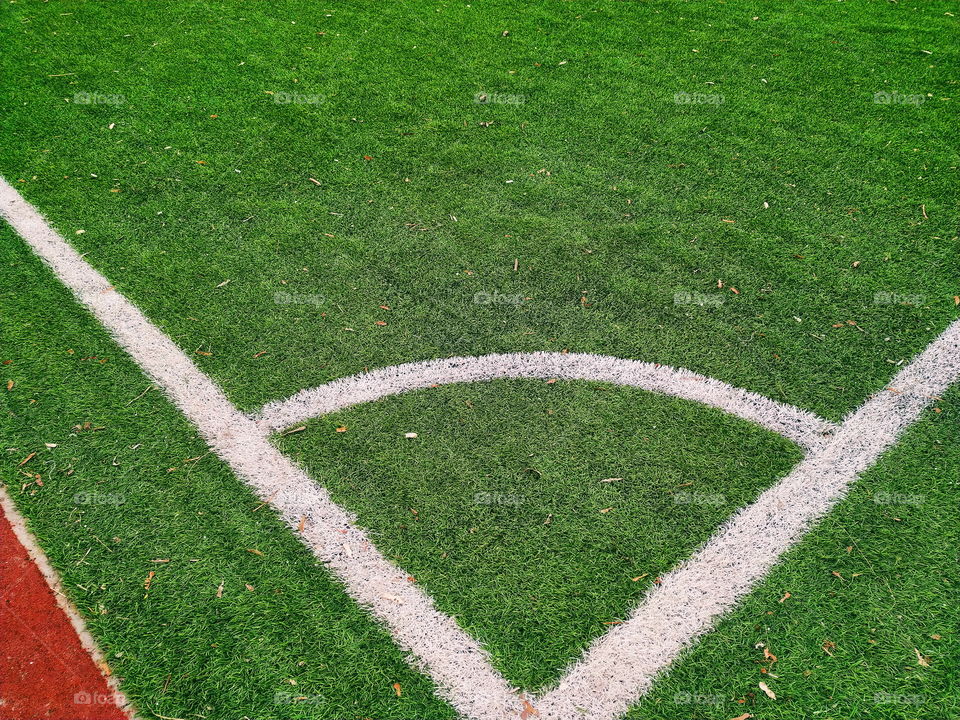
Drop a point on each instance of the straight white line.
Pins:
(622, 665)
(39, 558)
(458, 665)
(804, 428)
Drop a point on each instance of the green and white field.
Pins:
(294, 193)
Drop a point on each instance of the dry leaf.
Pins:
(769, 693)
(786, 596)
(255, 551)
(342, 428)
(769, 656)
(606, 510)
(396, 689)
(249, 587)
(225, 282)
(528, 709)
(10, 384)
(411, 436)
(828, 646)
(220, 590)
(608, 480)
(921, 660)
(745, 716)
(26, 459)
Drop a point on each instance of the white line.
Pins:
(804, 428)
(620, 666)
(39, 558)
(457, 663)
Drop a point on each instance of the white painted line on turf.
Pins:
(800, 426)
(621, 665)
(456, 662)
(19, 526)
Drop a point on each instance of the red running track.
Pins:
(45, 672)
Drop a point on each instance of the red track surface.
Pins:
(45, 673)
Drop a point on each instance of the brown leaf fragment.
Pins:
(396, 689)
(786, 596)
(342, 429)
(828, 646)
(27, 459)
(767, 691)
(10, 384)
(146, 583)
(249, 587)
(255, 551)
(260, 354)
(302, 524)
(220, 590)
(769, 656)
(921, 659)
(745, 716)
(528, 710)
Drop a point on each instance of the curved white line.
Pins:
(802, 427)
(619, 666)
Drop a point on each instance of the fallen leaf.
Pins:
(639, 577)
(26, 459)
(786, 596)
(921, 660)
(260, 354)
(606, 510)
(609, 480)
(769, 656)
(249, 587)
(220, 590)
(225, 282)
(380, 323)
(745, 716)
(396, 689)
(828, 646)
(146, 583)
(528, 709)
(767, 691)
(411, 435)
(342, 429)
(255, 551)
(10, 384)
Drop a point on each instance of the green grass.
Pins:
(617, 201)
(498, 508)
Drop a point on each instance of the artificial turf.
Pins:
(814, 229)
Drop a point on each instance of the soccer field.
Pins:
(483, 359)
